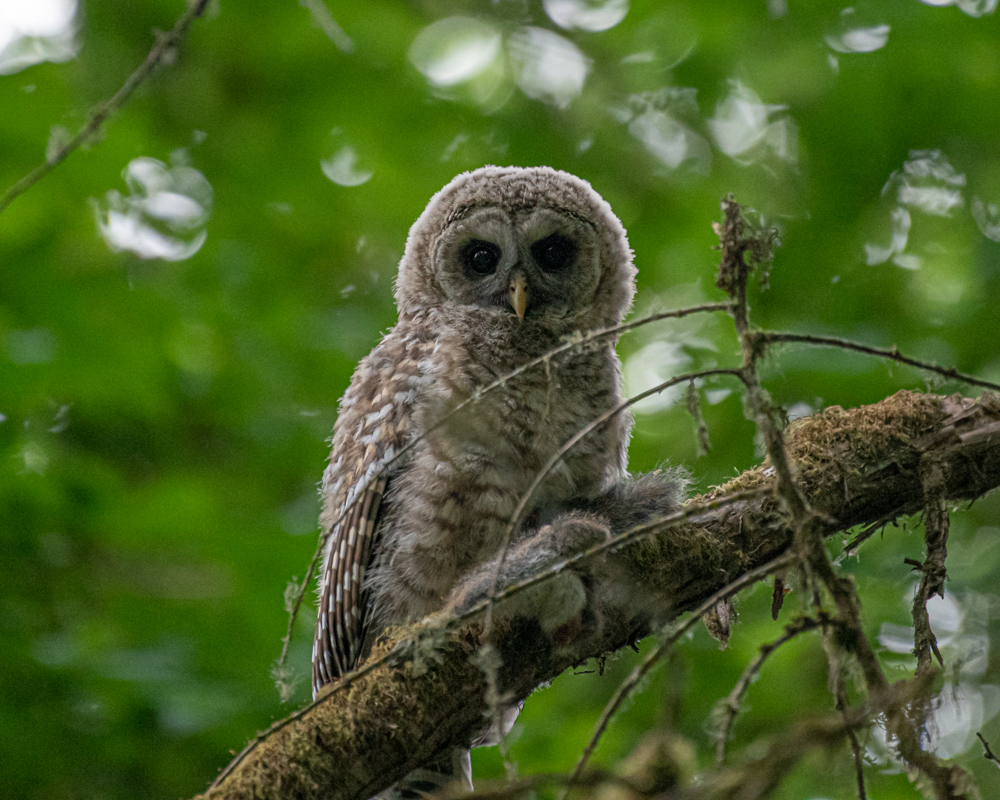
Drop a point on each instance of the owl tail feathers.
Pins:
(455, 767)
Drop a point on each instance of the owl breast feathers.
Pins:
(501, 266)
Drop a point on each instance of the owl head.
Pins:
(528, 246)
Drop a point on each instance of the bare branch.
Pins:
(757, 779)
(166, 44)
(768, 337)
(933, 571)
(694, 409)
(835, 658)
(737, 240)
(325, 22)
(526, 497)
(731, 705)
(556, 457)
(988, 754)
(656, 655)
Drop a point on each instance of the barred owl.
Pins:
(501, 266)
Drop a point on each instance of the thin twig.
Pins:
(556, 457)
(540, 476)
(490, 665)
(165, 44)
(932, 571)
(988, 754)
(652, 527)
(578, 341)
(736, 240)
(808, 540)
(856, 752)
(834, 658)
(325, 22)
(758, 779)
(644, 666)
(694, 409)
(293, 614)
(532, 783)
(731, 705)
(852, 546)
(771, 337)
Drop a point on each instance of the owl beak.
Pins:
(519, 296)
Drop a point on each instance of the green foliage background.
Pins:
(164, 423)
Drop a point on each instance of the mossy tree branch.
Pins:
(853, 467)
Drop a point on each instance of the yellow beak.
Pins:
(518, 296)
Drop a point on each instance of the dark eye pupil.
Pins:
(482, 257)
(554, 253)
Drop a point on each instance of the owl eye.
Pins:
(554, 253)
(481, 258)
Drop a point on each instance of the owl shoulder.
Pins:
(376, 414)
(390, 378)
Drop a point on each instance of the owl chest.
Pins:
(521, 431)
(477, 457)
(540, 420)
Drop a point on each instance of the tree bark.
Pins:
(858, 467)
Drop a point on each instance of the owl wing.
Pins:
(341, 627)
(374, 424)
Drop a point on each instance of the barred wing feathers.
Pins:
(374, 424)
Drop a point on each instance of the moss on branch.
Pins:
(854, 467)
